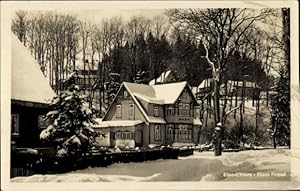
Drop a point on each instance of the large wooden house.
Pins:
(141, 114)
(235, 88)
(30, 95)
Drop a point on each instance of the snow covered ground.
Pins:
(259, 165)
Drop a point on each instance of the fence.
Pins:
(43, 164)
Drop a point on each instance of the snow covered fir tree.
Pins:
(70, 122)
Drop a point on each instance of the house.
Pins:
(142, 114)
(204, 87)
(247, 88)
(30, 95)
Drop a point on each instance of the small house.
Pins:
(234, 88)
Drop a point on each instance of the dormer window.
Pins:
(125, 94)
(155, 111)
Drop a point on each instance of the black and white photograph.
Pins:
(191, 94)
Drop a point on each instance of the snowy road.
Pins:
(262, 165)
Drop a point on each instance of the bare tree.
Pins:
(86, 30)
(20, 25)
(219, 30)
(160, 26)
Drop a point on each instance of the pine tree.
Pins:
(70, 122)
(280, 114)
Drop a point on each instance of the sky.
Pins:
(96, 16)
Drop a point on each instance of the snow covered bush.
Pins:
(70, 122)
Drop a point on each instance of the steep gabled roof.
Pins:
(158, 94)
(27, 83)
(170, 92)
(205, 83)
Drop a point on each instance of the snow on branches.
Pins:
(70, 123)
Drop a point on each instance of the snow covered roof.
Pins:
(28, 82)
(197, 122)
(194, 90)
(205, 83)
(160, 94)
(161, 79)
(240, 84)
(117, 123)
(169, 92)
(153, 119)
(148, 99)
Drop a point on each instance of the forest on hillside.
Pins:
(138, 50)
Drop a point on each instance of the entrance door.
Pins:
(138, 137)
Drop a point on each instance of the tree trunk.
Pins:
(274, 141)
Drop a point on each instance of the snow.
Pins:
(248, 84)
(161, 78)
(148, 99)
(197, 122)
(28, 82)
(259, 158)
(205, 83)
(153, 119)
(194, 90)
(77, 177)
(86, 109)
(169, 92)
(160, 94)
(164, 93)
(202, 166)
(230, 83)
(44, 134)
(117, 123)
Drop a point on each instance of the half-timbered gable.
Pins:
(166, 110)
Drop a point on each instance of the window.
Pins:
(184, 109)
(185, 133)
(156, 111)
(125, 94)
(170, 110)
(119, 110)
(170, 129)
(176, 134)
(123, 135)
(157, 133)
(15, 124)
(184, 95)
(131, 111)
(190, 134)
(180, 133)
